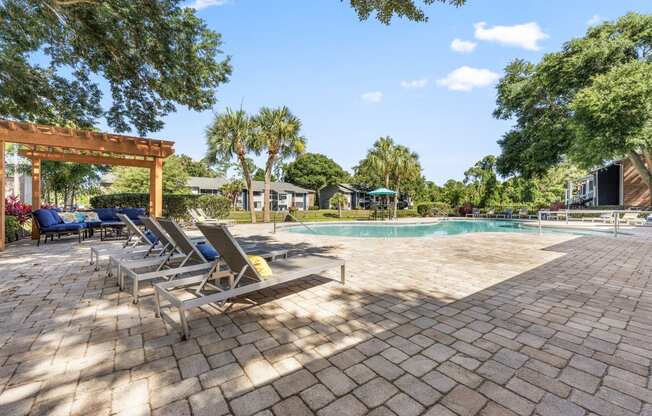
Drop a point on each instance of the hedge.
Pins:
(174, 205)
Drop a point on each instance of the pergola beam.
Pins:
(90, 159)
(31, 134)
(70, 145)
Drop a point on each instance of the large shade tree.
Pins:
(152, 55)
(314, 171)
(385, 10)
(136, 180)
(232, 135)
(590, 102)
(279, 133)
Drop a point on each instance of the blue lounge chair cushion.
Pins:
(207, 251)
(45, 218)
(55, 214)
(151, 237)
(107, 214)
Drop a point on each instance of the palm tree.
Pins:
(381, 157)
(406, 166)
(232, 134)
(338, 200)
(278, 131)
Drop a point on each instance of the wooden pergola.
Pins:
(81, 146)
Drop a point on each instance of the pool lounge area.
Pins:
(475, 323)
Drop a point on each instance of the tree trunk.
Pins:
(268, 186)
(643, 171)
(339, 210)
(398, 190)
(250, 190)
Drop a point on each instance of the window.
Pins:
(209, 191)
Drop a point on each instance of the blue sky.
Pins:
(343, 77)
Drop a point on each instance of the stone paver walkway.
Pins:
(490, 324)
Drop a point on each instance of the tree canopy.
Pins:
(589, 103)
(385, 10)
(153, 55)
(136, 180)
(314, 171)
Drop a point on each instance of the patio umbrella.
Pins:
(383, 192)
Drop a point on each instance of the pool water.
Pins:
(452, 227)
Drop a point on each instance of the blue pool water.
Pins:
(452, 227)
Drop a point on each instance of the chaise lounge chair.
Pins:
(632, 218)
(507, 214)
(139, 244)
(199, 216)
(475, 213)
(243, 278)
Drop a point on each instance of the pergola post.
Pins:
(36, 193)
(2, 195)
(156, 188)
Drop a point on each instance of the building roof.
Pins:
(216, 183)
(259, 186)
(205, 183)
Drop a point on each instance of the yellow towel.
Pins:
(261, 266)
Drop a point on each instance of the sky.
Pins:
(430, 86)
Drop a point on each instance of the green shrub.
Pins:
(215, 206)
(12, 229)
(174, 205)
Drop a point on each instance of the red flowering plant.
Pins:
(15, 208)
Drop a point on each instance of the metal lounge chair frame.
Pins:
(136, 245)
(241, 271)
(183, 258)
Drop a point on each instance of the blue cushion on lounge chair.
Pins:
(55, 214)
(207, 251)
(151, 237)
(45, 218)
(107, 214)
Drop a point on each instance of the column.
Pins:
(36, 193)
(156, 188)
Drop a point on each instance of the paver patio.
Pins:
(491, 324)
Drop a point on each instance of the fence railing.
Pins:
(612, 216)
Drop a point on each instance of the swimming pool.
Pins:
(452, 227)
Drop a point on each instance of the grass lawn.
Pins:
(318, 215)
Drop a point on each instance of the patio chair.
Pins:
(198, 215)
(139, 243)
(605, 217)
(475, 213)
(507, 214)
(243, 277)
(632, 218)
(490, 213)
(187, 257)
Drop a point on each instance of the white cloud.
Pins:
(415, 84)
(466, 78)
(526, 35)
(372, 96)
(202, 4)
(594, 20)
(463, 46)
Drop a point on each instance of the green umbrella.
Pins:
(382, 192)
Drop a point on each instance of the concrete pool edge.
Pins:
(560, 226)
